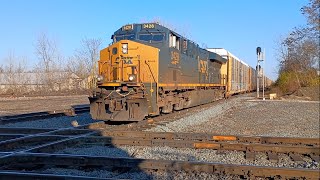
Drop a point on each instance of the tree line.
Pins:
(299, 53)
(50, 62)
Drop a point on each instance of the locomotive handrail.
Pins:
(154, 79)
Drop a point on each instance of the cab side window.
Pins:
(174, 41)
(184, 46)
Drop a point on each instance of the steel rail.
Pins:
(212, 137)
(34, 159)
(312, 152)
(303, 146)
(50, 136)
(17, 175)
(25, 131)
(99, 125)
(179, 140)
(43, 115)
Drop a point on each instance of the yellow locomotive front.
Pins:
(126, 70)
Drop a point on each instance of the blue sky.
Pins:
(238, 26)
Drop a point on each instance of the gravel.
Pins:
(187, 154)
(246, 116)
(236, 116)
(138, 174)
(56, 122)
(20, 105)
(92, 173)
(202, 116)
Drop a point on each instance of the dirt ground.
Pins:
(304, 93)
(310, 93)
(20, 105)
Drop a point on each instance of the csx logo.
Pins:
(175, 57)
(127, 60)
(203, 64)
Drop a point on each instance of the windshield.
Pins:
(151, 37)
(122, 37)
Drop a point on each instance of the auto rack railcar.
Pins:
(240, 76)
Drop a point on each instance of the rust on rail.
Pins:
(211, 137)
(224, 138)
(248, 171)
(206, 146)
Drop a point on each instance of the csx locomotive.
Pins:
(149, 69)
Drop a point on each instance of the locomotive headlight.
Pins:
(124, 48)
(99, 78)
(132, 77)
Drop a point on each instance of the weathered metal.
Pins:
(308, 146)
(4, 175)
(213, 137)
(45, 137)
(247, 171)
(4, 137)
(14, 130)
(177, 143)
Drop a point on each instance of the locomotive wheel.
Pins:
(167, 108)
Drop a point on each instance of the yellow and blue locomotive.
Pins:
(150, 69)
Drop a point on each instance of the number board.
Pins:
(127, 27)
(148, 26)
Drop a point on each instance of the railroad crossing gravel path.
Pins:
(246, 116)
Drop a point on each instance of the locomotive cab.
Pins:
(127, 78)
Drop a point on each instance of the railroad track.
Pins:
(35, 149)
(296, 148)
(26, 152)
(44, 115)
(246, 171)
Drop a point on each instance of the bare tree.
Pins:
(88, 54)
(299, 51)
(306, 37)
(311, 11)
(77, 67)
(47, 51)
(1, 69)
(13, 73)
